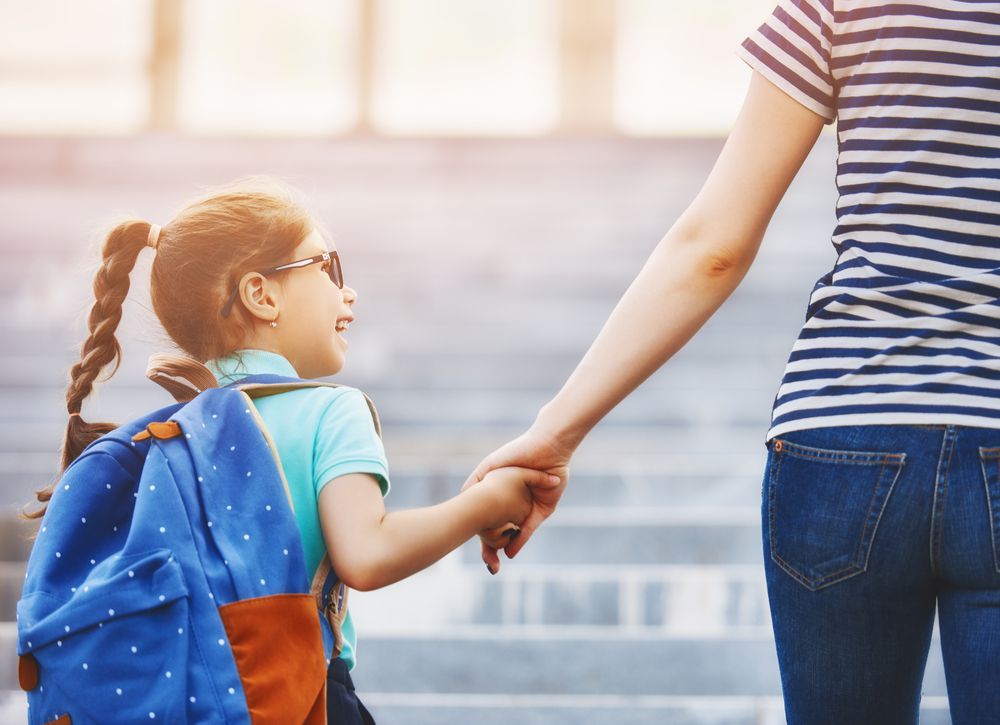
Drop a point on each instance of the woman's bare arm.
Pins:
(691, 272)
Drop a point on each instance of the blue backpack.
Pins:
(168, 581)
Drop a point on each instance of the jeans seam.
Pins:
(818, 582)
(989, 505)
(773, 475)
(868, 513)
(940, 491)
(859, 458)
(888, 495)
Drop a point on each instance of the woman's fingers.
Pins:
(545, 498)
(495, 539)
(512, 453)
(539, 479)
(516, 543)
(491, 557)
(499, 537)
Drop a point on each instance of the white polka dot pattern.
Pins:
(138, 557)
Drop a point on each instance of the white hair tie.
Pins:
(154, 236)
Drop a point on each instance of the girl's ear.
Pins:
(260, 296)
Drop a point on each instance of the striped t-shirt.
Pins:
(906, 326)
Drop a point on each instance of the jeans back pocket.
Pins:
(824, 507)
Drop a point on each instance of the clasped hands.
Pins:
(532, 500)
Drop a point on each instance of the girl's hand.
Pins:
(532, 450)
(511, 491)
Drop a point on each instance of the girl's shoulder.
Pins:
(337, 394)
(324, 404)
(314, 390)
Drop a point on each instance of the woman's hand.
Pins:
(511, 491)
(533, 450)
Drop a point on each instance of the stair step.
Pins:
(11, 583)
(412, 709)
(13, 707)
(723, 442)
(657, 490)
(573, 709)
(471, 353)
(591, 661)
(384, 371)
(409, 709)
(680, 489)
(702, 600)
(431, 408)
(692, 600)
(646, 541)
(578, 661)
(618, 465)
(15, 541)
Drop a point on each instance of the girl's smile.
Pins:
(291, 308)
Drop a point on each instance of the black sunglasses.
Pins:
(334, 270)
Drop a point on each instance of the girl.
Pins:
(882, 485)
(244, 283)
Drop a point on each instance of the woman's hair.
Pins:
(201, 254)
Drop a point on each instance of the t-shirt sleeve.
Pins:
(346, 442)
(792, 49)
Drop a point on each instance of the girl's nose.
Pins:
(350, 295)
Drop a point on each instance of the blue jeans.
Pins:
(867, 529)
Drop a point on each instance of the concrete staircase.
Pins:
(484, 270)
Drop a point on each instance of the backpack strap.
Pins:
(327, 588)
(260, 386)
(331, 600)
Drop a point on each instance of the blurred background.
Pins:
(495, 174)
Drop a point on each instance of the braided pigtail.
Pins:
(101, 348)
(200, 255)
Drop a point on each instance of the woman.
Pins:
(882, 482)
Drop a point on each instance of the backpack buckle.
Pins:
(335, 598)
(160, 431)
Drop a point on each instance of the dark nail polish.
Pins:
(511, 532)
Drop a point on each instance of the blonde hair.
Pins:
(201, 254)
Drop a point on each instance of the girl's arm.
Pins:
(690, 273)
(370, 549)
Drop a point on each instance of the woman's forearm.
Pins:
(696, 266)
(680, 287)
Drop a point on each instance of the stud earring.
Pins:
(274, 323)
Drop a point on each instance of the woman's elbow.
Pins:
(718, 247)
(722, 262)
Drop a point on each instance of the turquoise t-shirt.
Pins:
(320, 433)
